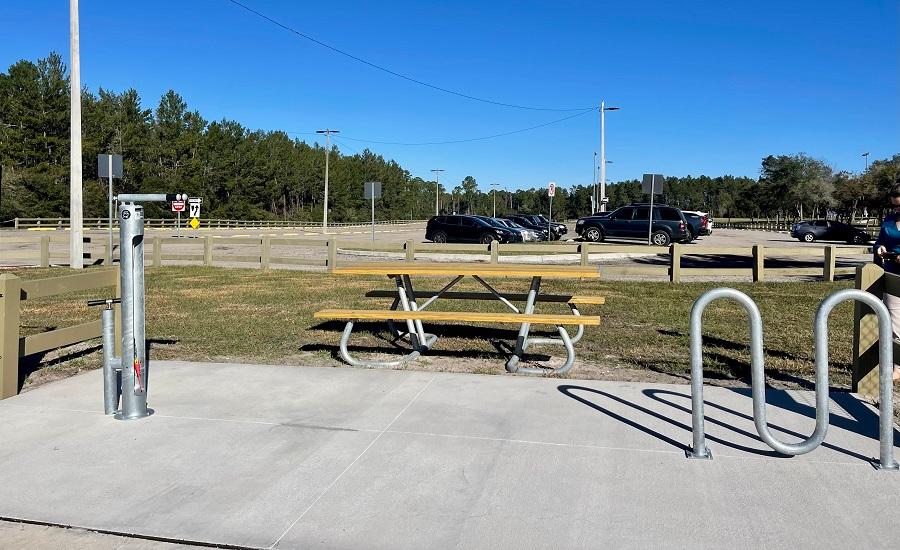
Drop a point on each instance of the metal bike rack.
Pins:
(885, 353)
(127, 376)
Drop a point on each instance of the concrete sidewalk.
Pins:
(294, 457)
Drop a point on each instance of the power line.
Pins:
(395, 73)
(519, 131)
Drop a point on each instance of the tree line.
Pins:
(256, 174)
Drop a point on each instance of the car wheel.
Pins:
(808, 237)
(660, 238)
(690, 237)
(439, 237)
(593, 234)
(486, 238)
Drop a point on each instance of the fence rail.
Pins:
(14, 291)
(171, 223)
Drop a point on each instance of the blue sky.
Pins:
(704, 87)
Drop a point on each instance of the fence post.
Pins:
(15, 223)
(207, 250)
(584, 249)
(869, 278)
(675, 264)
(495, 252)
(10, 294)
(45, 250)
(409, 246)
(332, 254)
(759, 262)
(828, 269)
(157, 252)
(266, 252)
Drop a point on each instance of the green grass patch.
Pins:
(251, 315)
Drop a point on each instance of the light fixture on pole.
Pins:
(327, 133)
(603, 109)
(866, 154)
(437, 190)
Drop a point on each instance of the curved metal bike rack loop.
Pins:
(885, 355)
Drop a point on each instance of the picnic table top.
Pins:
(476, 269)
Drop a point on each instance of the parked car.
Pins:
(460, 229)
(528, 235)
(706, 221)
(533, 221)
(694, 226)
(633, 222)
(828, 230)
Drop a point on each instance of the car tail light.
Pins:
(703, 221)
(681, 226)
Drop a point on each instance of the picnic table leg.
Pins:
(426, 339)
(345, 353)
(411, 328)
(570, 357)
(513, 364)
(574, 339)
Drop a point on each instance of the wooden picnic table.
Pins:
(403, 272)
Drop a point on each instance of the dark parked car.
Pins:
(694, 226)
(461, 229)
(527, 234)
(633, 222)
(533, 221)
(828, 230)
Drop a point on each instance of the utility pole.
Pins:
(594, 185)
(327, 133)
(866, 154)
(76, 230)
(494, 186)
(437, 190)
(603, 109)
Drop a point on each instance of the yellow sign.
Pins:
(195, 223)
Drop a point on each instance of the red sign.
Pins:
(177, 206)
(551, 189)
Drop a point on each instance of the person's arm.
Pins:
(881, 240)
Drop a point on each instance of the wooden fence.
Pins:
(870, 225)
(874, 279)
(171, 223)
(14, 291)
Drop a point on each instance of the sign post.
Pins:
(551, 191)
(110, 166)
(178, 208)
(194, 204)
(372, 190)
(652, 184)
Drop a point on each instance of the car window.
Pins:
(669, 214)
(452, 220)
(467, 222)
(440, 219)
(622, 214)
(642, 214)
(821, 223)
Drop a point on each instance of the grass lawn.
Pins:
(238, 315)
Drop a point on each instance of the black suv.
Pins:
(539, 222)
(633, 222)
(460, 229)
(828, 230)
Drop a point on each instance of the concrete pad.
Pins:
(293, 457)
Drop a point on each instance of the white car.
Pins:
(705, 228)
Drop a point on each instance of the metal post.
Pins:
(111, 385)
(437, 190)
(373, 214)
(131, 268)
(76, 231)
(602, 156)
(110, 210)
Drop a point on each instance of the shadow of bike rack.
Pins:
(885, 354)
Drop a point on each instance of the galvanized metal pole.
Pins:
(76, 221)
(110, 210)
(131, 268)
(111, 386)
(602, 156)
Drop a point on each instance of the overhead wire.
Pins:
(395, 73)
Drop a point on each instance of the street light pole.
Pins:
(437, 190)
(76, 230)
(594, 186)
(866, 154)
(603, 109)
(494, 186)
(327, 133)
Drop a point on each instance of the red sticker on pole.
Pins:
(177, 206)
(551, 189)
(138, 377)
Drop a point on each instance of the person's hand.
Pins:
(881, 251)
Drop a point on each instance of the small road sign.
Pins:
(177, 206)
(109, 166)
(194, 223)
(551, 189)
(194, 203)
